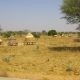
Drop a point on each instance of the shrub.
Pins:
(36, 34)
(44, 32)
(52, 32)
(8, 34)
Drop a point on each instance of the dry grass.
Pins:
(42, 63)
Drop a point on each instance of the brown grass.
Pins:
(43, 63)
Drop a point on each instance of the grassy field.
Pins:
(56, 58)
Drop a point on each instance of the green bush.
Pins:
(8, 34)
(36, 34)
(52, 32)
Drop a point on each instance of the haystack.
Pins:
(12, 41)
(29, 39)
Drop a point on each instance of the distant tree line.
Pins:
(37, 35)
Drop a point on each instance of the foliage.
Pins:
(71, 9)
(0, 30)
(26, 31)
(20, 33)
(8, 58)
(36, 34)
(8, 34)
(52, 32)
(44, 32)
(60, 33)
(42, 61)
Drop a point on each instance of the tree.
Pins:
(44, 32)
(36, 34)
(52, 32)
(20, 33)
(8, 34)
(71, 10)
(0, 28)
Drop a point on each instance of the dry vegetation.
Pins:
(43, 63)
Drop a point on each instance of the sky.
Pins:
(33, 15)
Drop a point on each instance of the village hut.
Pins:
(1, 41)
(12, 41)
(29, 39)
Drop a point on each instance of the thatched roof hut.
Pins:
(29, 39)
(12, 41)
(29, 35)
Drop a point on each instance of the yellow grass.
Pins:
(43, 63)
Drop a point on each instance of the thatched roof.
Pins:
(30, 38)
(29, 35)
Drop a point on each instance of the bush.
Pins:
(36, 34)
(52, 32)
(8, 34)
(44, 32)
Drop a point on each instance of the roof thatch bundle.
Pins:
(29, 39)
(29, 35)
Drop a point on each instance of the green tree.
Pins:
(44, 32)
(0, 30)
(8, 34)
(71, 10)
(36, 34)
(52, 32)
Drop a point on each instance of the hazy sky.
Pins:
(34, 15)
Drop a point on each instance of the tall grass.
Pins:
(28, 59)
